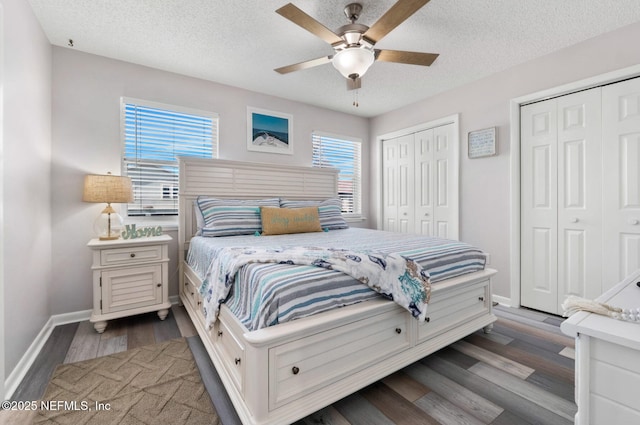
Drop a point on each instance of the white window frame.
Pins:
(162, 184)
(357, 183)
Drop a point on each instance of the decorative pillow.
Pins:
(330, 211)
(199, 217)
(230, 217)
(280, 221)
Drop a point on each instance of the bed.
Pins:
(277, 372)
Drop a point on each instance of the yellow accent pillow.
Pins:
(280, 221)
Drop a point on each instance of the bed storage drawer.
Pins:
(303, 366)
(232, 352)
(192, 297)
(138, 254)
(449, 308)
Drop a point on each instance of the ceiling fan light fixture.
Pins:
(353, 60)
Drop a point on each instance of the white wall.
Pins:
(86, 139)
(26, 200)
(484, 183)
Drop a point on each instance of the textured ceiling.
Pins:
(239, 43)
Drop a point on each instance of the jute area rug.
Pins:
(154, 384)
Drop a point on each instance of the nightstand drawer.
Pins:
(132, 255)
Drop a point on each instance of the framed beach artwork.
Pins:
(269, 131)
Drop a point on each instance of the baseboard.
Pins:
(73, 317)
(18, 373)
(501, 300)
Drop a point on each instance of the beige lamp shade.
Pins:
(107, 188)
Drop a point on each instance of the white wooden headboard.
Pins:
(221, 178)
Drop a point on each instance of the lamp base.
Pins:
(108, 225)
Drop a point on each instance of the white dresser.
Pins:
(608, 360)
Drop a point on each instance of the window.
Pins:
(342, 153)
(154, 135)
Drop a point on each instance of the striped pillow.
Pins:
(231, 217)
(330, 211)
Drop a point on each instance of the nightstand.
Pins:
(129, 277)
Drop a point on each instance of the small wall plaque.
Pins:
(482, 143)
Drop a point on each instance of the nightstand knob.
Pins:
(158, 284)
(132, 255)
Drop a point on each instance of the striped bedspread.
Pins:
(268, 294)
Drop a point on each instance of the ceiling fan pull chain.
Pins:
(355, 98)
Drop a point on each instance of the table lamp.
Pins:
(107, 189)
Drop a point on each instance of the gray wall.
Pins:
(61, 121)
(26, 173)
(484, 183)
(86, 139)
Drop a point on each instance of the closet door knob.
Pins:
(426, 214)
(634, 221)
(404, 213)
(575, 220)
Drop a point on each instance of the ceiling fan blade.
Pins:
(400, 56)
(398, 13)
(298, 17)
(304, 65)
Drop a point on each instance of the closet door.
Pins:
(621, 181)
(390, 185)
(579, 195)
(561, 200)
(398, 183)
(420, 183)
(424, 187)
(539, 206)
(445, 191)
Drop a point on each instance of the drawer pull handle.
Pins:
(427, 319)
(398, 330)
(481, 298)
(192, 294)
(220, 333)
(295, 370)
(132, 255)
(158, 284)
(237, 360)
(199, 303)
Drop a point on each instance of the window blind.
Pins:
(154, 135)
(344, 154)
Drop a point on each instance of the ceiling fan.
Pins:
(353, 43)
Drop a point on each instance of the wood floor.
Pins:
(521, 373)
